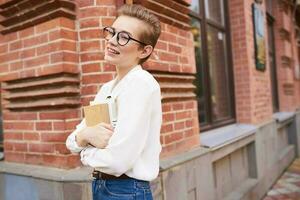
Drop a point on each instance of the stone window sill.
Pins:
(217, 138)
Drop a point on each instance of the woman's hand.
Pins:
(97, 135)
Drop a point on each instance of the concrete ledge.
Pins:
(47, 173)
(225, 135)
(182, 158)
(243, 190)
(283, 118)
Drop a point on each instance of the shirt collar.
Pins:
(115, 91)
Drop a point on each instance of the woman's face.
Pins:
(129, 54)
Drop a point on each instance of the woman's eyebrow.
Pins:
(122, 31)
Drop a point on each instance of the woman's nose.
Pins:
(113, 40)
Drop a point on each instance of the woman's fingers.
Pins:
(107, 126)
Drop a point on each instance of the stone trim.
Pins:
(175, 87)
(217, 138)
(283, 117)
(21, 14)
(44, 92)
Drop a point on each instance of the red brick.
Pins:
(3, 48)
(37, 40)
(179, 125)
(173, 137)
(54, 137)
(167, 117)
(64, 57)
(67, 23)
(166, 128)
(63, 34)
(93, 12)
(108, 68)
(107, 21)
(43, 126)
(90, 46)
(96, 78)
(41, 147)
(93, 67)
(20, 146)
(19, 125)
(14, 157)
(26, 32)
(88, 90)
(15, 66)
(166, 107)
(8, 146)
(52, 115)
(28, 53)
(174, 48)
(31, 136)
(177, 106)
(33, 158)
(58, 126)
(91, 34)
(86, 3)
(89, 23)
(15, 45)
(168, 57)
(61, 149)
(36, 61)
(13, 136)
(46, 26)
(54, 69)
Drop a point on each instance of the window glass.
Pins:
(214, 10)
(194, 6)
(216, 45)
(199, 83)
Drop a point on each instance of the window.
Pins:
(272, 57)
(214, 82)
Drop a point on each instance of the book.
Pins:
(95, 114)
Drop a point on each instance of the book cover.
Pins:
(95, 114)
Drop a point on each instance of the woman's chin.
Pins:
(110, 60)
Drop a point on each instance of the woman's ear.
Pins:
(146, 51)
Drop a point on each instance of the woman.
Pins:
(126, 157)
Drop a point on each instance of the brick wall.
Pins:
(286, 58)
(50, 70)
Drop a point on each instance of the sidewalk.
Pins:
(288, 186)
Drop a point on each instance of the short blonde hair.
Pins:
(150, 34)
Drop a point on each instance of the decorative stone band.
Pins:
(44, 92)
(175, 87)
(21, 14)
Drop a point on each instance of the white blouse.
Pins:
(134, 147)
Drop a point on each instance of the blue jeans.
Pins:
(121, 189)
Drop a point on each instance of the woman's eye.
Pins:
(124, 36)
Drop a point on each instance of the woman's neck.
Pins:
(122, 71)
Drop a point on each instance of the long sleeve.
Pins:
(71, 142)
(130, 135)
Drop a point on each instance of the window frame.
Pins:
(204, 23)
(273, 68)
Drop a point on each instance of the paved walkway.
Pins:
(288, 186)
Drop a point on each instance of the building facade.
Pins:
(229, 72)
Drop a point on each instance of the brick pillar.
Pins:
(286, 57)
(252, 87)
(40, 81)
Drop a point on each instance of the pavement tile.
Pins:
(287, 186)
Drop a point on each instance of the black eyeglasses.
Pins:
(123, 37)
